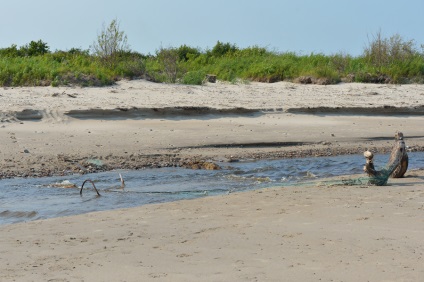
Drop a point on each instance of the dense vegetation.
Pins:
(384, 60)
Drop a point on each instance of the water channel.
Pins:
(37, 198)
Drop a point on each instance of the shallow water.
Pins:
(31, 199)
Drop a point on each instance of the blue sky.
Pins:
(302, 26)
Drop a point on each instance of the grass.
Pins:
(392, 60)
(47, 70)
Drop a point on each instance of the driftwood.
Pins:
(92, 183)
(122, 182)
(403, 165)
(211, 78)
(94, 186)
(397, 164)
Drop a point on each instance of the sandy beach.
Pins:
(135, 124)
(309, 233)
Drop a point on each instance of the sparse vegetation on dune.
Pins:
(384, 60)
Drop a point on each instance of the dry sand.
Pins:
(306, 233)
(47, 130)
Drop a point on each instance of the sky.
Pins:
(301, 26)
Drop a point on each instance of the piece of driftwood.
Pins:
(380, 177)
(122, 182)
(94, 186)
(401, 169)
(211, 78)
(92, 183)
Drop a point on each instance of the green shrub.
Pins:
(194, 78)
(169, 64)
(221, 49)
(34, 48)
(382, 52)
(254, 51)
(11, 51)
(110, 43)
(186, 53)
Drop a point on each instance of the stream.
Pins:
(26, 199)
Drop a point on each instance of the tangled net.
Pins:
(398, 162)
(396, 167)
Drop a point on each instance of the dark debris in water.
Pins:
(18, 214)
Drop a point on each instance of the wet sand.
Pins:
(318, 233)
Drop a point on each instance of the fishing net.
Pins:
(375, 177)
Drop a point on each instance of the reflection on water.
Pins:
(31, 199)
